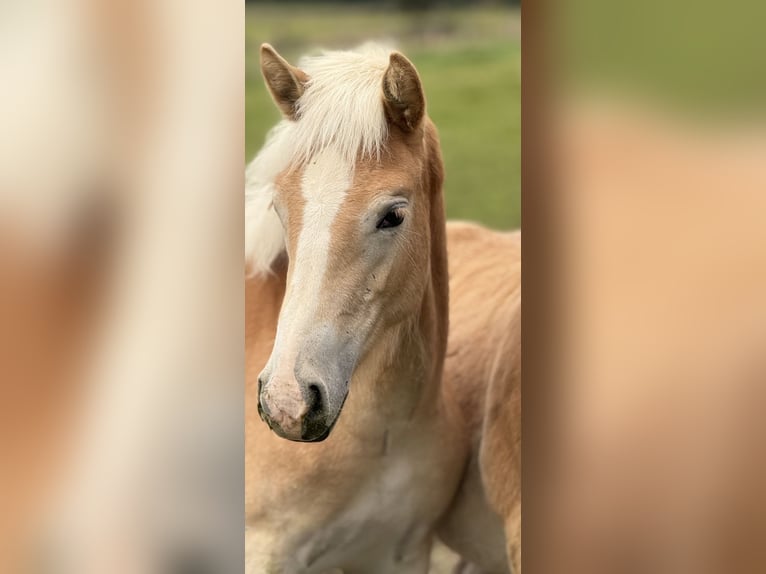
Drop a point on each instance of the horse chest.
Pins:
(377, 531)
(368, 510)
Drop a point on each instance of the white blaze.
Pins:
(326, 181)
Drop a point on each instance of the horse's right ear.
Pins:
(285, 82)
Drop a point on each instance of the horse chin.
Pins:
(316, 435)
(320, 437)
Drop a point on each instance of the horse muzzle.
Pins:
(296, 411)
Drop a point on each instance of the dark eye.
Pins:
(393, 218)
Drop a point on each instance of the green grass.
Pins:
(470, 64)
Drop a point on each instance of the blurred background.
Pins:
(469, 57)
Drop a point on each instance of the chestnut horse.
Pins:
(347, 325)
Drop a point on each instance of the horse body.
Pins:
(482, 383)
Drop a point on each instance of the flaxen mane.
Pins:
(341, 107)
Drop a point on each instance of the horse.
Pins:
(347, 313)
(347, 310)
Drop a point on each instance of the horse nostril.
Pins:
(314, 401)
(315, 421)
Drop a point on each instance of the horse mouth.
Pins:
(314, 433)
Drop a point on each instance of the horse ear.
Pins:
(285, 82)
(403, 94)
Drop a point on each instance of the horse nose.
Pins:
(294, 409)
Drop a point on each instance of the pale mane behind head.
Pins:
(341, 107)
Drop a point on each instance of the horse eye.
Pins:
(393, 218)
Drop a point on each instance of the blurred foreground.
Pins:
(121, 369)
(657, 446)
(646, 450)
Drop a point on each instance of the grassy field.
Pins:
(470, 63)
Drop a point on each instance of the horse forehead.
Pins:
(327, 177)
(324, 175)
(329, 180)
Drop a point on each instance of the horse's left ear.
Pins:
(403, 93)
